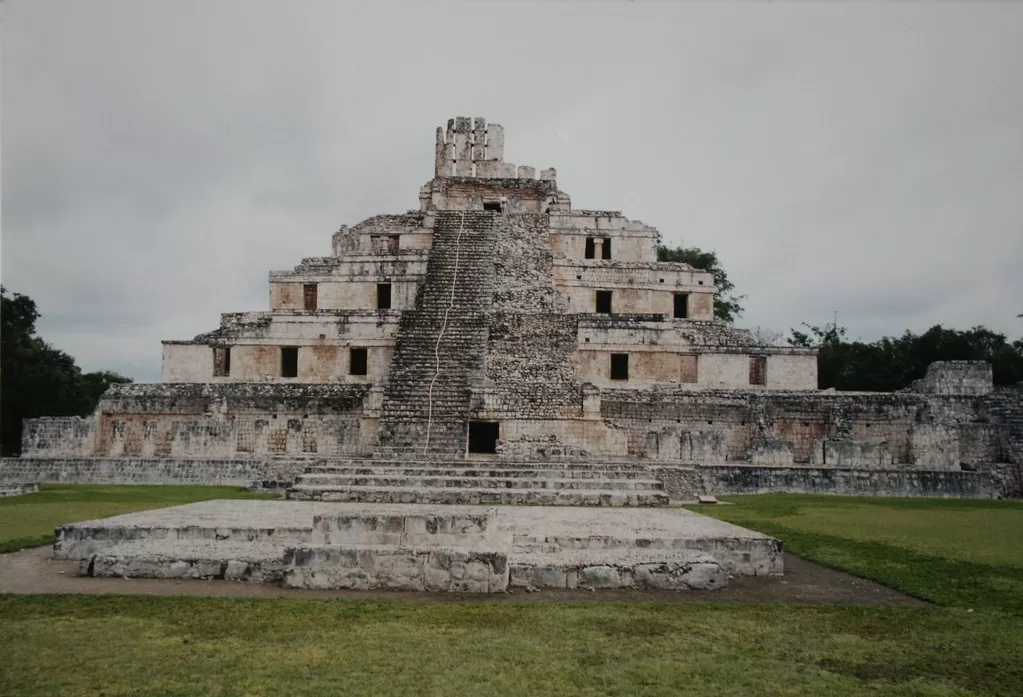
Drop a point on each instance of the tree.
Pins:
(893, 363)
(727, 307)
(37, 379)
(764, 336)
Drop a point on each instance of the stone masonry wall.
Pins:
(721, 480)
(139, 470)
(922, 431)
(531, 362)
(203, 420)
(59, 436)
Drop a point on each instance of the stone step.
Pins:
(431, 470)
(80, 540)
(486, 482)
(474, 496)
(476, 569)
(755, 557)
(190, 559)
(626, 568)
(407, 461)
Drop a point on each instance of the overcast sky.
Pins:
(159, 158)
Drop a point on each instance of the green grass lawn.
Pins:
(29, 520)
(970, 643)
(952, 552)
(188, 646)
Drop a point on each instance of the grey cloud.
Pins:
(159, 158)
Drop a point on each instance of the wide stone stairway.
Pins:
(441, 345)
(457, 481)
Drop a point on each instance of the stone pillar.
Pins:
(591, 402)
(262, 426)
(495, 142)
(117, 429)
(148, 439)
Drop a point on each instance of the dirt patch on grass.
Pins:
(33, 571)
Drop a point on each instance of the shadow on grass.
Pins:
(943, 581)
(20, 543)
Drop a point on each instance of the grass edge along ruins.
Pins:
(497, 324)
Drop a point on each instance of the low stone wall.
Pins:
(739, 479)
(138, 470)
(18, 489)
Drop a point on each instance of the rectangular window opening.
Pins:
(221, 361)
(590, 248)
(357, 361)
(483, 436)
(604, 302)
(289, 361)
(681, 305)
(383, 296)
(605, 248)
(619, 366)
(309, 296)
(492, 206)
(758, 370)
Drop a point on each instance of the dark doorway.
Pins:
(357, 361)
(604, 302)
(383, 296)
(483, 436)
(221, 361)
(492, 207)
(605, 248)
(589, 248)
(681, 305)
(309, 296)
(758, 370)
(289, 361)
(619, 366)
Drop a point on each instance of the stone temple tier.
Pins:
(499, 346)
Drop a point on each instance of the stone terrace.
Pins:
(417, 547)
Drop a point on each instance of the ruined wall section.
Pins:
(56, 436)
(637, 287)
(350, 284)
(473, 148)
(532, 370)
(323, 339)
(204, 420)
(631, 240)
(694, 353)
(383, 234)
(827, 429)
(956, 378)
(522, 195)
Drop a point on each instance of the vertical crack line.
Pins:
(440, 336)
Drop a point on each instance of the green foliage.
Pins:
(892, 363)
(37, 379)
(727, 307)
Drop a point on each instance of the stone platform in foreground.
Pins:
(419, 547)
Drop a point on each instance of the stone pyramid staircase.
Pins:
(457, 481)
(441, 345)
